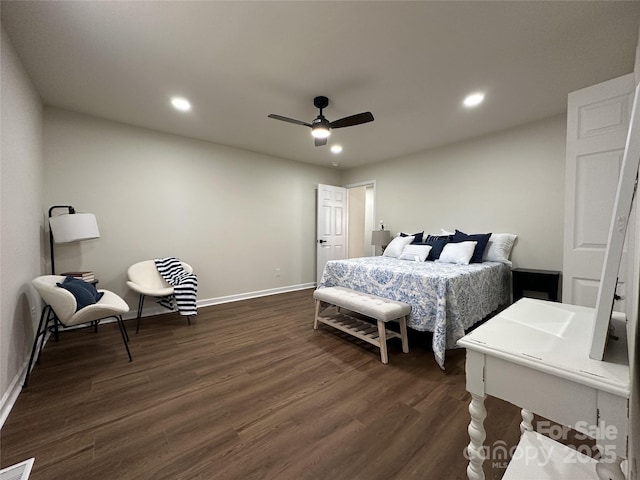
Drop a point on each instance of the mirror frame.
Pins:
(627, 184)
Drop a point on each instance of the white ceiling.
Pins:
(409, 63)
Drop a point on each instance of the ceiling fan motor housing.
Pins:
(321, 102)
(321, 121)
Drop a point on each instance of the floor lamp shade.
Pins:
(72, 227)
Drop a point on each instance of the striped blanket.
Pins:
(184, 283)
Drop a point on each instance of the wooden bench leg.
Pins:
(403, 333)
(315, 319)
(382, 336)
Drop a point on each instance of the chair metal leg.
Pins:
(125, 337)
(126, 334)
(39, 331)
(140, 305)
(50, 318)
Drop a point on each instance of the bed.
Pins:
(446, 299)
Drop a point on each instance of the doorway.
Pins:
(345, 218)
(361, 219)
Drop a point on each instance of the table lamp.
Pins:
(380, 238)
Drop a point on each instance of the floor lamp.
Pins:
(380, 238)
(70, 227)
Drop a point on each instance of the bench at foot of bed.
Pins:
(381, 309)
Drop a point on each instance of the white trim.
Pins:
(361, 184)
(259, 293)
(148, 312)
(226, 299)
(15, 388)
(11, 395)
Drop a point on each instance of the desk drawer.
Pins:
(554, 398)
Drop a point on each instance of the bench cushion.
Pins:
(370, 305)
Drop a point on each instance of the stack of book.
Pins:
(86, 276)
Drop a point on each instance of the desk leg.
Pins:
(527, 418)
(610, 470)
(475, 449)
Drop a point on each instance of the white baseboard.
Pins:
(259, 293)
(158, 310)
(11, 395)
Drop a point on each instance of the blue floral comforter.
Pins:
(445, 299)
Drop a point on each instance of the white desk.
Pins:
(535, 354)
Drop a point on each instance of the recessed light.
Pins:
(335, 164)
(473, 100)
(336, 148)
(181, 103)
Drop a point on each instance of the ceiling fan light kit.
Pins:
(321, 127)
(320, 131)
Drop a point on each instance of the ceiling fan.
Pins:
(321, 127)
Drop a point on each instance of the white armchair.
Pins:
(61, 307)
(145, 280)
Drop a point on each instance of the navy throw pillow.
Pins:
(437, 243)
(417, 237)
(84, 292)
(481, 238)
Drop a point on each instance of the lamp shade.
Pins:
(72, 227)
(380, 238)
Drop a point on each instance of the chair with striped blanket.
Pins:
(169, 280)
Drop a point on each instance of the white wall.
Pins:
(512, 182)
(234, 215)
(21, 219)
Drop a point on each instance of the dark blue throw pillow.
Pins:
(84, 292)
(481, 238)
(417, 237)
(437, 243)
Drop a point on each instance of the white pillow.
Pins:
(394, 249)
(417, 253)
(458, 253)
(446, 232)
(499, 248)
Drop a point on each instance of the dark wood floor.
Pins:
(248, 391)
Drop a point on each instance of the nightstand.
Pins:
(539, 281)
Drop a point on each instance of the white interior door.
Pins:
(597, 123)
(332, 215)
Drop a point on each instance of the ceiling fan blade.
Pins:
(287, 119)
(353, 120)
(319, 142)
